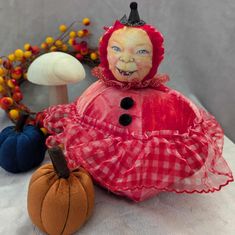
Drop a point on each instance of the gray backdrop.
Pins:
(199, 42)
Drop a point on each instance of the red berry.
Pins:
(23, 107)
(79, 56)
(74, 42)
(6, 102)
(14, 81)
(85, 32)
(16, 74)
(77, 47)
(7, 64)
(39, 118)
(16, 89)
(4, 106)
(18, 69)
(84, 51)
(31, 122)
(17, 96)
(83, 44)
(35, 50)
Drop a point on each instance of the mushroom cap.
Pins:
(55, 68)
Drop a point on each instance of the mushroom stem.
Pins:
(58, 95)
(59, 163)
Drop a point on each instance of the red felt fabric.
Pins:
(170, 145)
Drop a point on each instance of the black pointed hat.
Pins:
(134, 18)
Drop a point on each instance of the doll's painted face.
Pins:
(130, 54)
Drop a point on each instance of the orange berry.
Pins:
(25, 76)
(44, 45)
(71, 41)
(6, 101)
(2, 72)
(11, 57)
(72, 34)
(80, 33)
(53, 48)
(14, 114)
(27, 54)
(58, 43)
(86, 21)
(2, 81)
(27, 46)
(2, 89)
(62, 28)
(10, 84)
(17, 74)
(19, 53)
(64, 47)
(44, 130)
(61, 146)
(93, 56)
(49, 40)
(18, 68)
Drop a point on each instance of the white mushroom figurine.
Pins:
(56, 69)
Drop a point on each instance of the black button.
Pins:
(125, 119)
(127, 103)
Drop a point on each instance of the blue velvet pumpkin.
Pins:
(21, 148)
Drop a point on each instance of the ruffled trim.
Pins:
(153, 190)
(156, 82)
(56, 117)
(139, 168)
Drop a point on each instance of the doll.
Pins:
(133, 134)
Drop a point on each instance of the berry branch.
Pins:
(13, 68)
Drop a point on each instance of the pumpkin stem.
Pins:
(21, 122)
(59, 163)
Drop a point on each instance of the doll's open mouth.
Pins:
(125, 73)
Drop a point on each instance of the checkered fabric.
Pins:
(138, 167)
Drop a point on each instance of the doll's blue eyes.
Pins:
(139, 52)
(142, 52)
(115, 48)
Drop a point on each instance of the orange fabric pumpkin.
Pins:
(59, 201)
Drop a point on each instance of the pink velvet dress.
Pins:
(159, 142)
